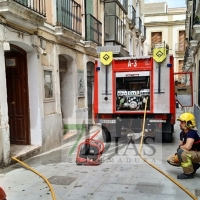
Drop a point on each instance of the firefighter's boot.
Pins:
(185, 176)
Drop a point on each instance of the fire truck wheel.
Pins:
(158, 137)
(172, 128)
(106, 135)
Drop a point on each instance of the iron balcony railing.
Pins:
(132, 14)
(93, 29)
(180, 47)
(124, 4)
(38, 6)
(69, 15)
(114, 30)
(139, 24)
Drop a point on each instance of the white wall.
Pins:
(35, 96)
(4, 126)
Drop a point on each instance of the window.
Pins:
(181, 41)
(48, 84)
(156, 37)
(114, 24)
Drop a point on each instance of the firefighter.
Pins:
(188, 152)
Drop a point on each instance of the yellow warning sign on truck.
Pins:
(159, 54)
(106, 57)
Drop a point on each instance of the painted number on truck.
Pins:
(134, 63)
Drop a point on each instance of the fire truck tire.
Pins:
(172, 128)
(167, 137)
(106, 135)
(158, 137)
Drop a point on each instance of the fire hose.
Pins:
(152, 165)
(50, 187)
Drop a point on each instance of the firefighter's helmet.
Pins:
(189, 119)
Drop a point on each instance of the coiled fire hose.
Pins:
(152, 165)
(50, 187)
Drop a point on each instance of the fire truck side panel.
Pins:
(162, 94)
(105, 99)
(172, 92)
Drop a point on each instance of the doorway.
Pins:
(17, 95)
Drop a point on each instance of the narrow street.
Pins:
(119, 177)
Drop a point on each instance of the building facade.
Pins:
(167, 25)
(192, 53)
(48, 51)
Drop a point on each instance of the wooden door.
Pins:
(17, 91)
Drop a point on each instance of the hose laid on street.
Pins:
(50, 187)
(152, 165)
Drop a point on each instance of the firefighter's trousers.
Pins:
(186, 160)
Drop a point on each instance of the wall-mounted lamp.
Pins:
(41, 50)
(6, 46)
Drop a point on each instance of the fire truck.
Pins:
(122, 85)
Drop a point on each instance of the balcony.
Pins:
(143, 36)
(124, 4)
(131, 16)
(180, 48)
(193, 45)
(196, 31)
(138, 25)
(190, 5)
(26, 13)
(198, 7)
(114, 23)
(93, 30)
(69, 27)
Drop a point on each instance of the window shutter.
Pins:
(156, 37)
(181, 40)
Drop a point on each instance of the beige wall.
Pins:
(169, 23)
(49, 12)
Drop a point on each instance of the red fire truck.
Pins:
(121, 89)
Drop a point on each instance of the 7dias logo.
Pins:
(121, 150)
(127, 152)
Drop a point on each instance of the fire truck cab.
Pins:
(121, 89)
